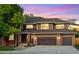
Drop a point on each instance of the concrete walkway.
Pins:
(45, 50)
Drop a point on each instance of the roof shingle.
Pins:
(44, 20)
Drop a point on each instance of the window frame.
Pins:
(57, 27)
(42, 26)
(29, 27)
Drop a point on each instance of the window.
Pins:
(29, 26)
(60, 26)
(44, 26)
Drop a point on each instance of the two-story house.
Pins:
(46, 31)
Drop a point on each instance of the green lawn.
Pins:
(2, 48)
(77, 47)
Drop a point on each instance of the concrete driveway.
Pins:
(45, 50)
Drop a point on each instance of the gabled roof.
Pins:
(44, 20)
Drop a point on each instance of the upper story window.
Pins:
(30, 26)
(59, 26)
(44, 26)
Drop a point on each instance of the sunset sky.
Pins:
(69, 11)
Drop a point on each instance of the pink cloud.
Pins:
(40, 9)
(37, 11)
(63, 8)
(57, 16)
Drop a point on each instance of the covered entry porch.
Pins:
(25, 40)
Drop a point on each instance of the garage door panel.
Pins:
(47, 41)
(66, 40)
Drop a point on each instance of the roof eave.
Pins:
(48, 22)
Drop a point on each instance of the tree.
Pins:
(11, 19)
(3, 29)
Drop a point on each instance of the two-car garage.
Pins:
(65, 40)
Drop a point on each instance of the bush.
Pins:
(77, 47)
(77, 35)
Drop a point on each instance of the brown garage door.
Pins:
(46, 41)
(66, 40)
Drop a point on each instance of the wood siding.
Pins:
(66, 26)
(38, 26)
(76, 41)
(50, 26)
(34, 26)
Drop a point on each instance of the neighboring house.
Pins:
(74, 27)
(45, 31)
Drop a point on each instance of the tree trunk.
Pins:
(7, 41)
(0, 40)
(3, 41)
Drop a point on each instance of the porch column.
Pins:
(73, 40)
(28, 40)
(35, 40)
(59, 39)
(19, 40)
